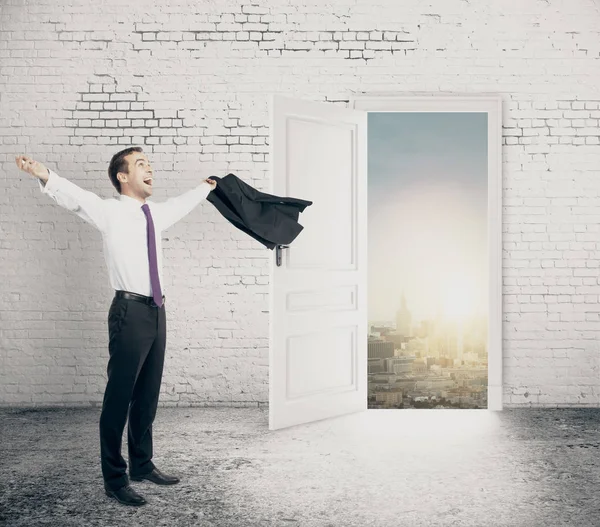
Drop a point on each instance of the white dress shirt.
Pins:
(123, 224)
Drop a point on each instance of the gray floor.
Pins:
(525, 467)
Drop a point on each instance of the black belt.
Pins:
(138, 298)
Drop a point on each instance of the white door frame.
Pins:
(492, 105)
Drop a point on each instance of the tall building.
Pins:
(403, 319)
(375, 365)
(399, 364)
(379, 349)
(380, 330)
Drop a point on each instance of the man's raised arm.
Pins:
(87, 205)
(175, 208)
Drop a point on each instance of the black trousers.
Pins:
(137, 340)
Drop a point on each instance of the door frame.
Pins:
(492, 105)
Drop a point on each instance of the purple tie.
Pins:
(154, 281)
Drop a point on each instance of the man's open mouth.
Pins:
(148, 181)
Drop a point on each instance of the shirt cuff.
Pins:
(204, 189)
(50, 186)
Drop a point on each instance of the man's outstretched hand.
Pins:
(35, 168)
(212, 183)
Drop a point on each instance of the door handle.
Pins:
(278, 249)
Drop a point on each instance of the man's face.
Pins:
(137, 182)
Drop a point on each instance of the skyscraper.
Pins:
(403, 319)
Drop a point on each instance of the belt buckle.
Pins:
(154, 304)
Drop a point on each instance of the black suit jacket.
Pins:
(269, 219)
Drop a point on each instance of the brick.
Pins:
(201, 109)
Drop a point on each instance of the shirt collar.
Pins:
(131, 202)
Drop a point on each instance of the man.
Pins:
(130, 227)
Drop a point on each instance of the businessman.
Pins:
(130, 225)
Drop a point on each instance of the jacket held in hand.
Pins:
(271, 220)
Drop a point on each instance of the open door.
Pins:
(318, 289)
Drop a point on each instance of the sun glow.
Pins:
(436, 255)
(459, 298)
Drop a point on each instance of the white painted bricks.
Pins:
(190, 82)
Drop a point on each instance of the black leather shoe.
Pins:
(127, 496)
(156, 476)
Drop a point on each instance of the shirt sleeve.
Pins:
(173, 209)
(87, 205)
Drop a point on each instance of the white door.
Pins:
(318, 295)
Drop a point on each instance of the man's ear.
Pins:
(121, 177)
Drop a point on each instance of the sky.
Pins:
(427, 213)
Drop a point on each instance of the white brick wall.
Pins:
(190, 81)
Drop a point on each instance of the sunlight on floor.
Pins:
(421, 428)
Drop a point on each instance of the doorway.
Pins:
(319, 319)
(427, 264)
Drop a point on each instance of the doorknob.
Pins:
(278, 249)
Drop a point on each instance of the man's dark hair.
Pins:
(118, 163)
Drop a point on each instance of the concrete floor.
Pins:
(522, 468)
